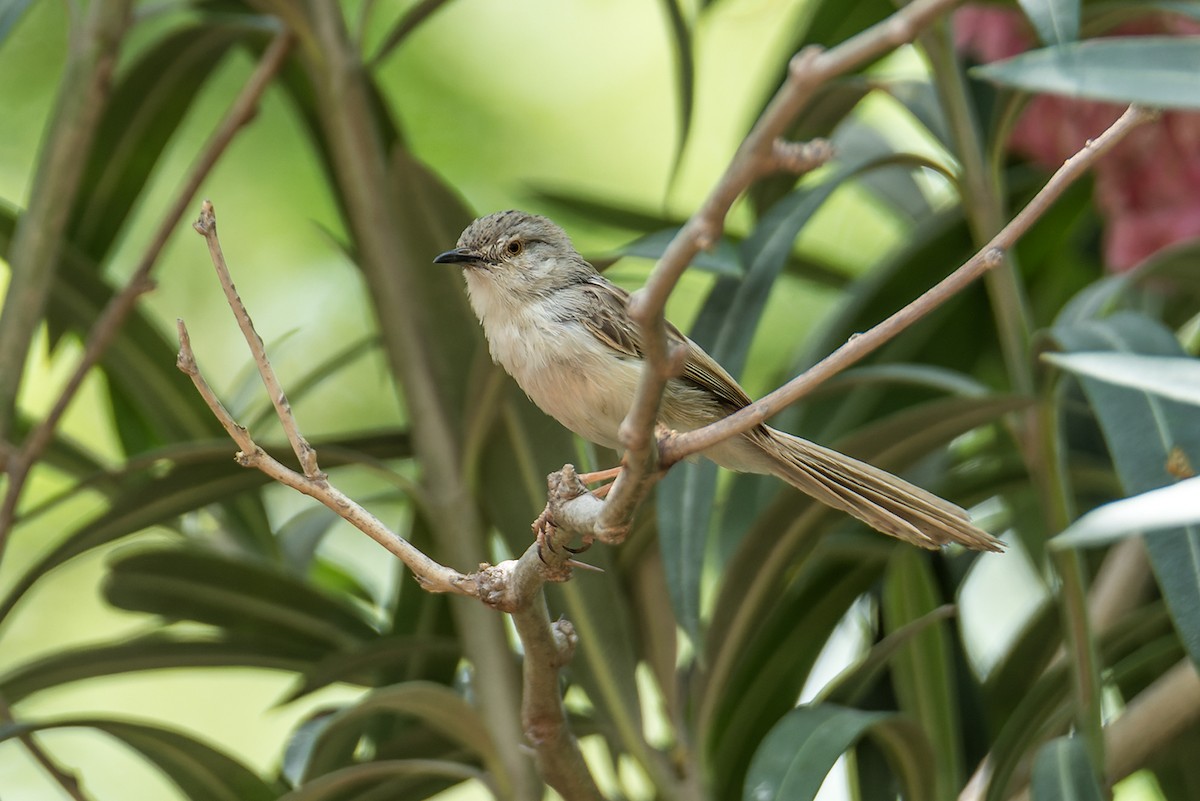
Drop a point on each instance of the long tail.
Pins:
(879, 499)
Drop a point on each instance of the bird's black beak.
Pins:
(456, 256)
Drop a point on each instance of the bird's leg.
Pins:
(601, 475)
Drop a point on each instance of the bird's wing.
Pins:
(609, 323)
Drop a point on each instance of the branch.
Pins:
(109, 323)
(514, 586)
(207, 227)
(433, 576)
(679, 446)
(37, 241)
(758, 153)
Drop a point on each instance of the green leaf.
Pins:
(774, 663)
(200, 772)
(436, 706)
(333, 786)
(685, 74)
(155, 651)
(784, 535)
(1064, 772)
(1173, 377)
(369, 662)
(1145, 433)
(723, 259)
(800, 750)
(1149, 70)
(163, 485)
(850, 686)
(922, 673)
(150, 100)
(725, 328)
(1056, 21)
(1165, 508)
(238, 595)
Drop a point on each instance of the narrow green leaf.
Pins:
(162, 485)
(800, 750)
(685, 75)
(1064, 772)
(1145, 435)
(200, 772)
(1173, 377)
(774, 663)
(788, 532)
(1148, 70)
(437, 706)
(150, 100)
(370, 662)
(723, 259)
(333, 786)
(1165, 508)
(852, 684)
(235, 594)
(922, 673)
(725, 328)
(1056, 21)
(155, 651)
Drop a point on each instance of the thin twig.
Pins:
(113, 316)
(514, 587)
(809, 69)
(682, 445)
(207, 227)
(432, 576)
(65, 778)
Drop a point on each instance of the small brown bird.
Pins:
(563, 332)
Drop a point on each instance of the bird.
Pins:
(563, 332)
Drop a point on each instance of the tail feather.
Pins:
(878, 498)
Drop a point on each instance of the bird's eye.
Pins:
(515, 247)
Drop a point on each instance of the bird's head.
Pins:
(522, 255)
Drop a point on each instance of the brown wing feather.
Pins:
(611, 325)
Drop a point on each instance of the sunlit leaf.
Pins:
(1173, 377)
(1145, 433)
(1154, 510)
(1148, 70)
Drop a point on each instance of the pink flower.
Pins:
(1145, 187)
